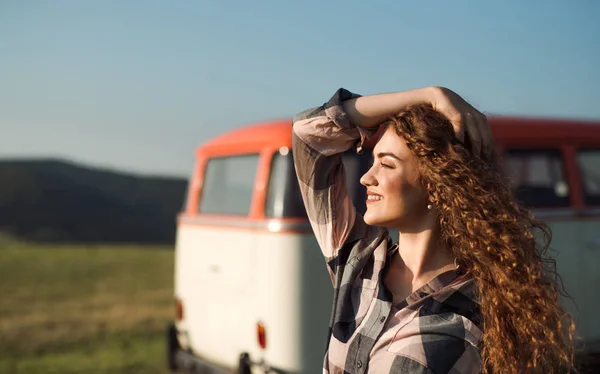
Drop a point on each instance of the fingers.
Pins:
(449, 104)
(487, 139)
(459, 124)
(466, 121)
(474, 134)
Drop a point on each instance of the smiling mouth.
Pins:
(374, 198)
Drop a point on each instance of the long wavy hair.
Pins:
(499, 242)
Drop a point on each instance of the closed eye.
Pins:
(382, 165)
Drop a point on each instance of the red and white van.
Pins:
(252, 291)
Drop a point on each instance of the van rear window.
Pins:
(228, 185)
(589, 165)
(537, 177)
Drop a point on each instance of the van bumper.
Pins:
(180, 359)
(187, 362)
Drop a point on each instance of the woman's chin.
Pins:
(373, 220)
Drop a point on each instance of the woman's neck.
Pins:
(422, 257)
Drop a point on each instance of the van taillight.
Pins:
(261, 335)
(179, 310)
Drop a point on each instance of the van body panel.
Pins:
(278, 279)
(566, 251)
(213, 283)
(293, 298)
(576, 248)
(589, 253)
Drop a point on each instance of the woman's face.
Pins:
(395, 198)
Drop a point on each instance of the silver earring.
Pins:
(429, 206)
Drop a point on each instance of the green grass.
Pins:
(84, 309)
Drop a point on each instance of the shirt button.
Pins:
(382, 319)
(359, 363)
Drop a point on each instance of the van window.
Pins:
(228, 185)
(283, 195)
(537, 177)
(589, 165)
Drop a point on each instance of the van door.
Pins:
(589, 166)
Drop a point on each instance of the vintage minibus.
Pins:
(252, 293)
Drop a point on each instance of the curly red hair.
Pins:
(525, 328)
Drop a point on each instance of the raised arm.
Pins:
(321, 134)
(370, 111)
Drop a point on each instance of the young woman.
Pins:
(465, 290)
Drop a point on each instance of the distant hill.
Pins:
(50, 200)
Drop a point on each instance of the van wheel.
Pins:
(172, 347)
(244, 364)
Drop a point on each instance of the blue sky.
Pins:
(137, 85)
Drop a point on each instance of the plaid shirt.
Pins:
(437, 329)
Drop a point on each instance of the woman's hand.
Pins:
(465, 120)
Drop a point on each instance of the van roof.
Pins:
(545, 131)
(516, 130)
(252, 137)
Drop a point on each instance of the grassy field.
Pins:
(84, 309)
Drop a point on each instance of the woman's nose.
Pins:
(368, 179)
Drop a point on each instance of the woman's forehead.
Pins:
(390, 142)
